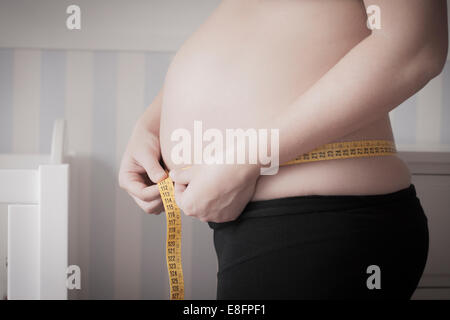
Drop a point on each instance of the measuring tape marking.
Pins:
(173, 241)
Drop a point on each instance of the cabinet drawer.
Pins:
(434, 194)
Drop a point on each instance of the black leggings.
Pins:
(320, 247)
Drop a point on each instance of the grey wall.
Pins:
(155, 25)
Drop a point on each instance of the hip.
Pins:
(374, 211)
(353, 176)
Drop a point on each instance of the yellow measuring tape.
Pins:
(338, 150)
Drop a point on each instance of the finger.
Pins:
(150, 193)
(185, 200)
(151, 207)
(133, 183)
(179, 187)
(154, 170)
(181, 176)
(178, 191)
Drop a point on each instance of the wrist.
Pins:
(144, 124)
(142, 136)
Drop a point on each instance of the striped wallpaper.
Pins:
(119, 248)
(101, 93)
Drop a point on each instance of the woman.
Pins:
(345, 228)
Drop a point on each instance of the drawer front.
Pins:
(434, 194)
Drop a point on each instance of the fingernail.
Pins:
(171, 173)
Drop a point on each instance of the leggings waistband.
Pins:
(321, 203)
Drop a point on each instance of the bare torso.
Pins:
(251, 59)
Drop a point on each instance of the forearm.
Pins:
(367, 83)
(150, 119)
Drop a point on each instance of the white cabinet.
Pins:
(34, 234)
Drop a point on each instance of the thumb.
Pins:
(178, 192)
(181, 175)
(154, 170)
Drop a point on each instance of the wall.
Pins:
(100, 81)
(100, 94)
(138, 25)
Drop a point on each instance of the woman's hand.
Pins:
(140, 170)
(215, 193)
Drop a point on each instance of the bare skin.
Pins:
(297, 66)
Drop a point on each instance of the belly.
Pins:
(250, 60)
